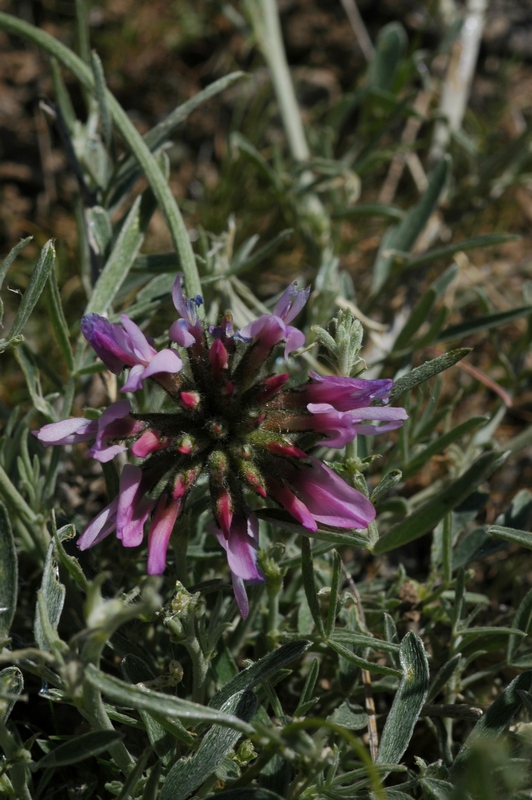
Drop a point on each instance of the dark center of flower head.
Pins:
(229, 421)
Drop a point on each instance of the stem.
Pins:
(271, 44)
(94, 710)
(200, 665)
(132, 138)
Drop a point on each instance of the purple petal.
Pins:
(241, 595)
(100, 527)
(180, 333)
(133, 507)
(291, 302)
(268, 330)
(294, 339)
(160, 531)
(325, 496)
(330, 499)
(345, 394)
(241, 546)
(165, 361)
(134, 379)
(139, 345)
(68, 431)
(103, 338)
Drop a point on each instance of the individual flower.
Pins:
(126, 346)
(114, 425)
(230, 418)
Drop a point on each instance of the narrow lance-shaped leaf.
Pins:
(119, 263)
(11, 256)
(497, 718)
(164, 704)
(403, 237)
(189, 773)
(35, 288)
(440, 444)
(309, 585)
(53, 597)
(429, 369)
(483, 323)
(262, 669)
(408, 701)
(8, 574)
(79, 748)
(522, 621)
(428, 515)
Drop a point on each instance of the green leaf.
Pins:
(391, 46)
(442, 676)
(49, 610)
(101, 97)
(11, 256)
(135, 670)
(167, 705)
(62, 96)
(333, 596)
(416, 319)
(371, 209)
(245, 793)
(11, 686)
(427, 370)
(483, 323)
(8, 574)
(70, 563)
(120, 261)
(489, 240)
(309, 585)
(357, 639)
(35, 288)
(262, 669)
(59, 324)
(189, 773)
(408, 701)
(496, 719)
(426, 517)
(523, 538)
(403, 237)
(360, 662)
(443, 441)
(78, 748)
(522, 621)
(31, 373)
(99, 230)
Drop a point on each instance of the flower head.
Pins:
(230, 418)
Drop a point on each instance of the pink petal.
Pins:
(67, 431)
(133, 507)
(160, 531)
(100, 527)
(140, 347)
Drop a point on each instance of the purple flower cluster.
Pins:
(233, 420)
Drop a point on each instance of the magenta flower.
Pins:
(270, 329)
(114, 425)
(230, 418)
(126, 346)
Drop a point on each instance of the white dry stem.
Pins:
(460, 71)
